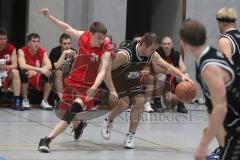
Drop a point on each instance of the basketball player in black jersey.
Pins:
(217, 78)
(127, 67)
(229, 44)
(229, 41)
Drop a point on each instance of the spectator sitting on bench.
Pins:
(8, 68)
(62, 58)
(35, 70)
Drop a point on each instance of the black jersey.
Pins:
(212, 56)
(174, 56)
(55, 54)
(234, 37)
(127, 77)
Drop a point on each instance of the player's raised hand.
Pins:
(45, 12)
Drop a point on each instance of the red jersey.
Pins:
(85, 67)
(6, 53)
(33, 60)
(170, 81)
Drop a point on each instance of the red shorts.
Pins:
(36, 82)
(73, 90)
(6, 82)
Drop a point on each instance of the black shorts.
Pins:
(232, 141)
(130, 92)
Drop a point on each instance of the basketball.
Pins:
(169, 100)
(186, 91)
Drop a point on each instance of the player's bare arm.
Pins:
(47, 66)
(113, 97)
(225, 47)
(159, 64)
(119, 59)
(68, 52)
(24, 65)
(182, 66)
(62, 25)
(105, 60)
(216, 85)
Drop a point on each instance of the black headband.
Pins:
(225, 19)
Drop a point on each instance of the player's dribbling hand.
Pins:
(113, 98)
(185, 77)
(201, 152)
(90, 93)
(45, 12)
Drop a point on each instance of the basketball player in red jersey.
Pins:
(87, 73)
(35, 69)
(9, 58)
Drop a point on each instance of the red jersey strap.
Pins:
(6, 53)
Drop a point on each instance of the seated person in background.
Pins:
(166, 81)
(35, 70)
(62, 58)
(136, 38)
(8, 68)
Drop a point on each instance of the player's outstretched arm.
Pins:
(62, 25)
(113, 96)
(159, 64)
(105, 60)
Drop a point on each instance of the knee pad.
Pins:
(71, 112)
(75, 107)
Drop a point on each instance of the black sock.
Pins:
(16, 98)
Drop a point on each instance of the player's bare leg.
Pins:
(107, 124)
(135, 116)
(16, 86)
(58, 82)
(16, 83)
(149, 84)
(67, 118)
(136, 112)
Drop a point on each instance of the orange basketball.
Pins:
(170, 100)
(186, 91)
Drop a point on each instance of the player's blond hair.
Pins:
(228, 15)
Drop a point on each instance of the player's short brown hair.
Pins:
(32, 35)
(98, 27)
(64, 36)
(150, 38)
(193, 32)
